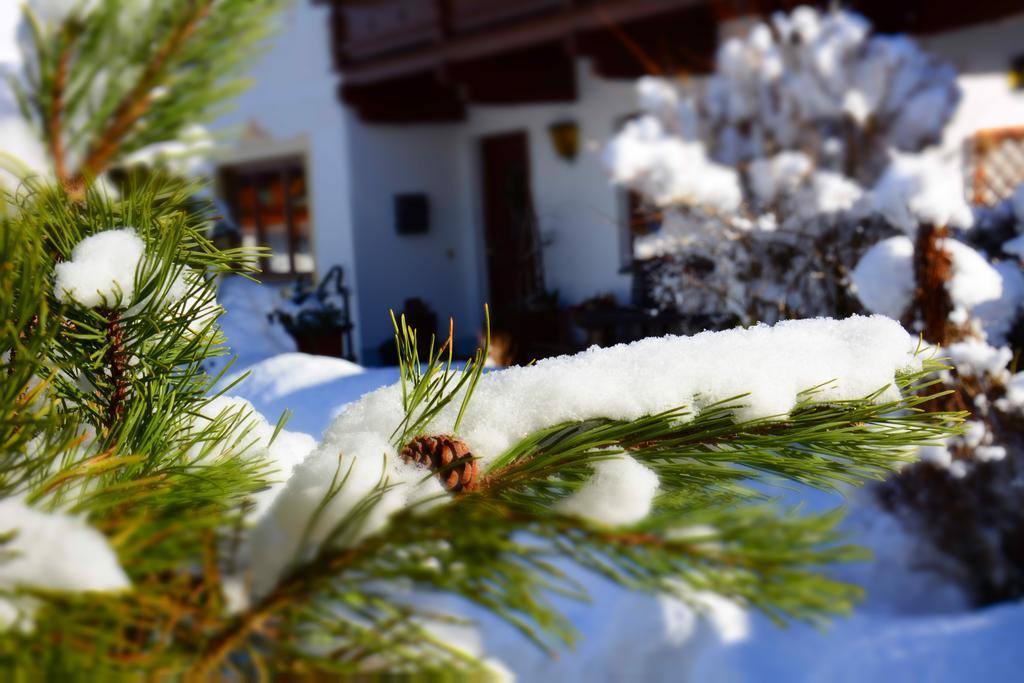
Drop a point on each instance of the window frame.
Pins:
(232, 177)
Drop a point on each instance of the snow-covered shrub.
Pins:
(793, 158)
(823, 129)
(967, 495)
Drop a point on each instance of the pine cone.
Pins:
(448, 456)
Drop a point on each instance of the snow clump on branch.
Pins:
(884, 277)
(769, 367)
(51, 551)
(104, 269)
(918, 189)
(620, 492)
(884, 281)
(669, 170)
(361, 462)
(249, 435)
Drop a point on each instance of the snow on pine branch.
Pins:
(620, 492)
(769, 367)
(50, 551)
(248, 434)
(101, 270)
(104, 270)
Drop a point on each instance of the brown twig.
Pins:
(213, 584)
(933, 268)
(222, 644)
(55, 118)
(229, 638)
(117, 363)
(138, 100)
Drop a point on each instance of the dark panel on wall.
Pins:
(412, 213)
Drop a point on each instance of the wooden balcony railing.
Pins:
(419, 60)
(465, 16)
(371, 30)
(378, 40)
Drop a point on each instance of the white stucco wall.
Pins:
(437, 266)
(982, 55)
(292, 108)
(578, 211)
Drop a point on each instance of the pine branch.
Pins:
(426, 392)
(752, 554)
(137, 102)
(55, 130)
(117, 365)
(131, 448)
(298, 586)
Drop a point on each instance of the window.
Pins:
(269, 204)
(995, 164)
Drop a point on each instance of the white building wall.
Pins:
(355, 169)
(578, 211)
(436, 266)
(982, 55)
(292, 108)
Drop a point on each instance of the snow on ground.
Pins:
(288, 373)
(981, 645)
(314, 388)
(246, 324)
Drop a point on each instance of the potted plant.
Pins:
(318, 317)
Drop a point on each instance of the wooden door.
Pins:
(513, 258)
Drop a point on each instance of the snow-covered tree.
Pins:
(151, 525)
